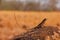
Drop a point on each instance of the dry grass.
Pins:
(11, 22)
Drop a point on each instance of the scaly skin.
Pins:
(38, 33)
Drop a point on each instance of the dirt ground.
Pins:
(14, 22)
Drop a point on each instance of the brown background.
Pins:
(11, 22)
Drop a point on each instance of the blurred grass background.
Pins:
(10, 26)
